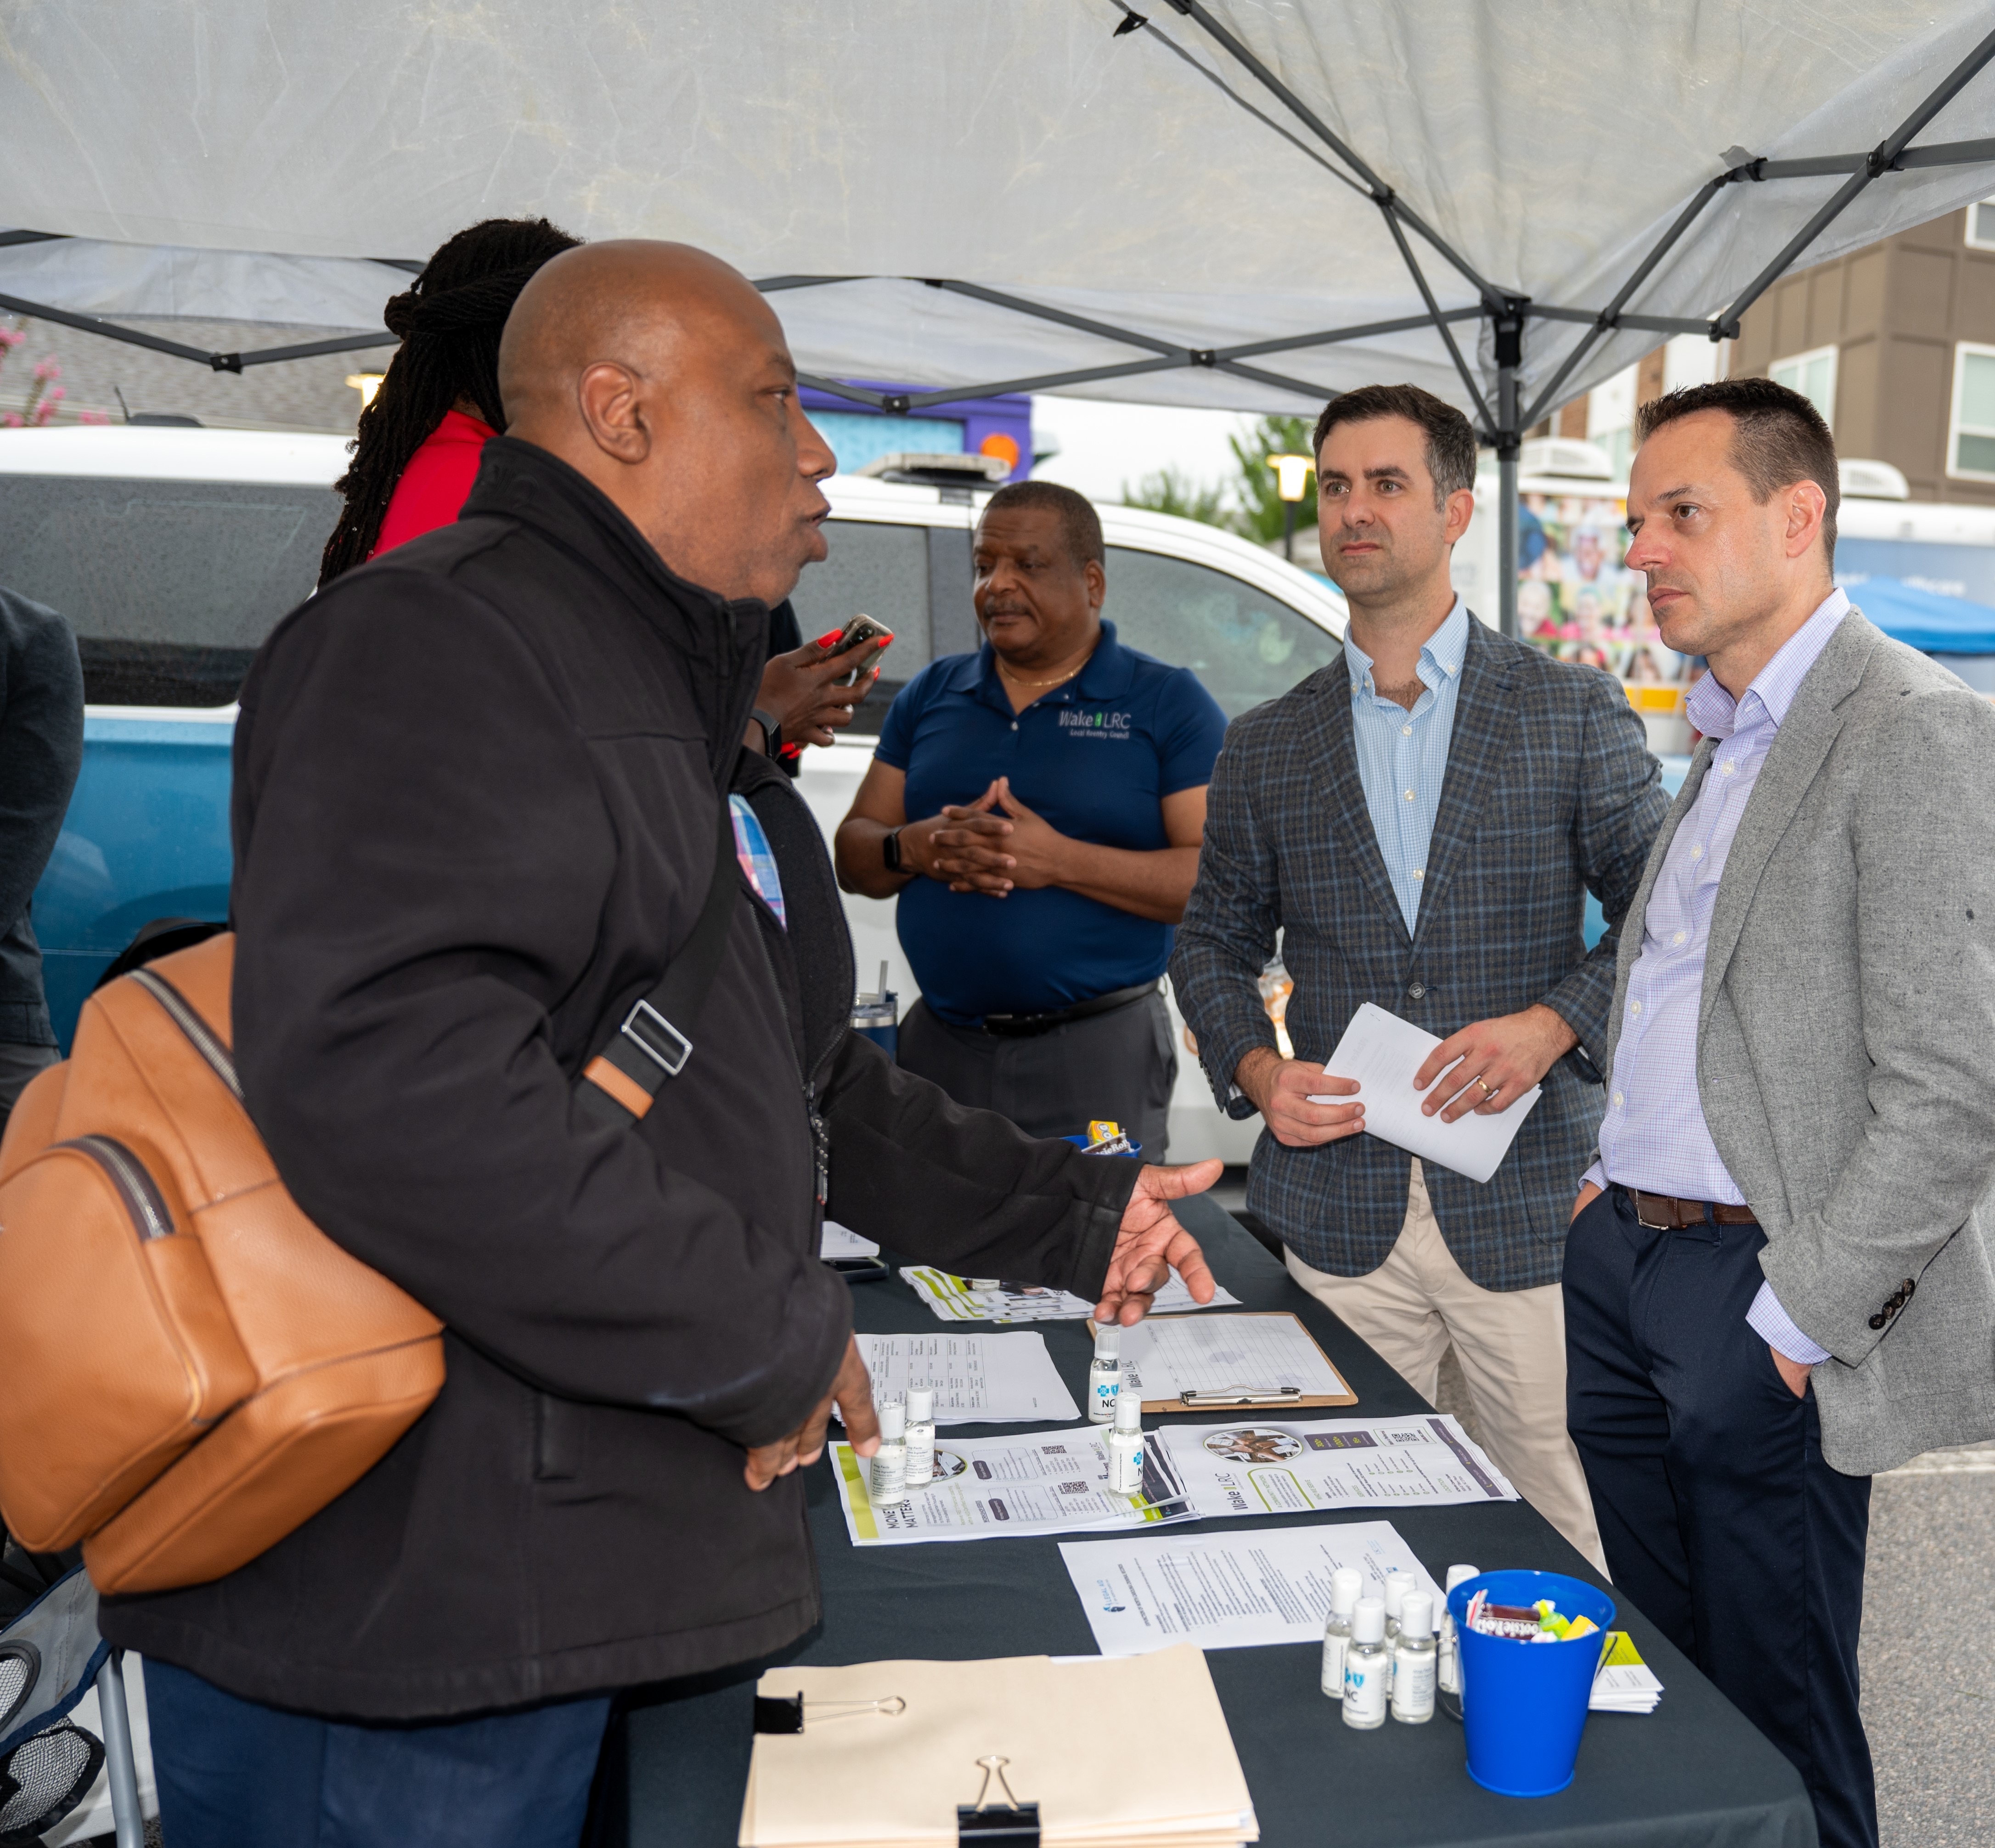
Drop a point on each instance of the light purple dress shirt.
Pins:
(1653, 1136)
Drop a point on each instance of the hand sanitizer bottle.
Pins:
(1345, 1584)
(1397, 1585)
(920, 1437)
(1413, 1670)
(1365, 1666)
(1125, 1445)
(1104, 1375)
(1449, 1665)
(886, 1480)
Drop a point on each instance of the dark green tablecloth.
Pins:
(1693, 1772)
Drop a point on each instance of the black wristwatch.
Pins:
(772, 730)
(889, 851)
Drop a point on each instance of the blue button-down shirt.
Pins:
(1403, 756)
(1653, 1135)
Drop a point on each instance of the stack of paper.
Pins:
(986, 1488)
(978, 1378)
(838, 1241)
(1259, 1357)
(1115, 1754)
(955, 1299)
(1259, 1465)
(1383, 1052)
(1229, 1591)
(1625, 1684)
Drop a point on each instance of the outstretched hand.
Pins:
(1151, 1245)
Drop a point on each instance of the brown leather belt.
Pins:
(1666, 1211)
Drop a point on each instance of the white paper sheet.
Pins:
(1163, 1357)
(842, 1241)
(1382, 1053)
(978, 1378)
(1625, 1683)
(1260, 1465)
(1229, 1591)
(986, 1488)
(955, 1299)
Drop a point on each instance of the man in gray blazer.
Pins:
(1777, 1279)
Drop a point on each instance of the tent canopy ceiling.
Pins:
(1142, 183)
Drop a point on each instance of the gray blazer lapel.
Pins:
(1798, 749)
(1483, 743)
(1350, 818)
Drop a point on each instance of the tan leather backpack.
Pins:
(189, 1368)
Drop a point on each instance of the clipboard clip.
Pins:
(1240, 1395)
(785, 1712)
(983, 1822)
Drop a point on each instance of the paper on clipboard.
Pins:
(1256, 1357)
(1382, 1053)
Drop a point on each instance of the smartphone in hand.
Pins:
(855, 634)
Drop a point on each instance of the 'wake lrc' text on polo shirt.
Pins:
(1095, 758)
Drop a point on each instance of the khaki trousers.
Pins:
(1511, 1346)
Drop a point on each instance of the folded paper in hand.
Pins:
(860, 1776)
(1382, 1053)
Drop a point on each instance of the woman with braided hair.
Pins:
(416, 452)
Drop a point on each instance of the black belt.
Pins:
(1024, 1026)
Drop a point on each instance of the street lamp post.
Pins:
(1292, 474)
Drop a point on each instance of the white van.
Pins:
(173, 551)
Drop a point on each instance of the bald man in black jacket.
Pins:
(478, 782)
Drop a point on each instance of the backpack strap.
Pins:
(655, 1040)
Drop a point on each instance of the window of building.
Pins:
(1970, 437)
(1981, 225)
(1811, 374)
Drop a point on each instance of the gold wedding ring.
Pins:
(1486, 1091)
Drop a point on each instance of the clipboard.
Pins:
(1244, 1392)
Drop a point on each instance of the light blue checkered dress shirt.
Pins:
(1403, 756)
(1653, 1135)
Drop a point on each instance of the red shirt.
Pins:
(437, 481)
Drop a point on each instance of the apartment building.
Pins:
(1895, 343)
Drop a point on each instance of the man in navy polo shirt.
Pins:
(1038, 807)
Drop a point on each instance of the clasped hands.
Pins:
(1509, 1054)
(988, 846)
(1149, 1244)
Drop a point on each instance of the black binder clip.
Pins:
(981, 1823)
(785, 1712)
(779, 1713)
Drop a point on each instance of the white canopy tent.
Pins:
(1510, 202)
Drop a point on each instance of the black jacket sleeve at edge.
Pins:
(427, 857)
(41, 745)
(966, 1190)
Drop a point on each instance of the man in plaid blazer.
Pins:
(1421, 822)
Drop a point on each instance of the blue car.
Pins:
(172, 552)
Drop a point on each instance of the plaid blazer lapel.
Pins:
(1484, 739)
(1350, 815)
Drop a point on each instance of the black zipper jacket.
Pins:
(475, 800)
